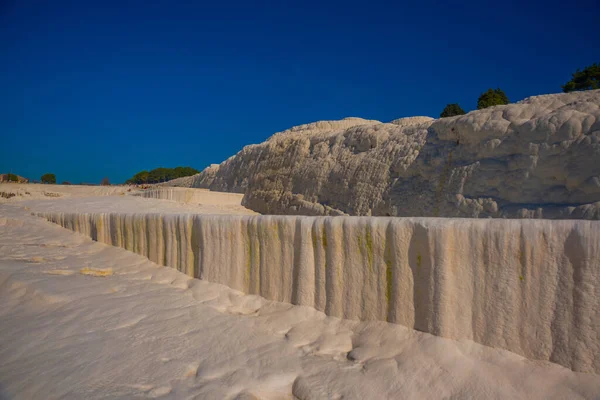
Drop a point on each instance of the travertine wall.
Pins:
(190, 196)
(532, 287)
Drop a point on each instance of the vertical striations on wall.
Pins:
(528, 286)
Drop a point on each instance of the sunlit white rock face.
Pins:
(526, 286)
(539, 158)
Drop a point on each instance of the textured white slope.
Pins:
(531, 287)
(536, 158)
(151, 332)
(191, 196)
(30, 191)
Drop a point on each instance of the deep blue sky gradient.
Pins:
(107, 88)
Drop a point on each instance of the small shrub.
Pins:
(493, 97)
(7, 195)
(451, 110)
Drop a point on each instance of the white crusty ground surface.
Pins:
(40, 191)
(530, 287)
(123, 199)
(152, 332)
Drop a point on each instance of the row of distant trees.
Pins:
(155, 176)
(586, 79)
(161, 175)
(51, 179)
(46, 178)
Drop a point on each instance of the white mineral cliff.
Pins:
(538, 158)
(530, 287)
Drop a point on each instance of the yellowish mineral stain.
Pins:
(96, 271)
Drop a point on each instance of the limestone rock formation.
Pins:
(539, 158)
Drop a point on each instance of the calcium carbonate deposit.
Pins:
(531, 287)
(538, 158)
(82, 319)
(525, 286)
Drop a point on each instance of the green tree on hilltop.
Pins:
(48, 178)
(493, 97)
(139, 178)
(587, 79)
(451, 110)
(161, 175)
(180, 172)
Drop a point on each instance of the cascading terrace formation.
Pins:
(523, 285)
(528, 286)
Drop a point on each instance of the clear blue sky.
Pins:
(107, 88)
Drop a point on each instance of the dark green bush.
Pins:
(48, 178)
(451, 110)
(587, 79)
(493, 97)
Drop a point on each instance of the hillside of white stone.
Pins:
(523, 285)
(538, 158)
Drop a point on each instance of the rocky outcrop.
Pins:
(20, 179)
(539, 158)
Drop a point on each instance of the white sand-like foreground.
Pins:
(81, 319)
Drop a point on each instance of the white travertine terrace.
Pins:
(187, 196)
(148, 332)
(530, 287)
